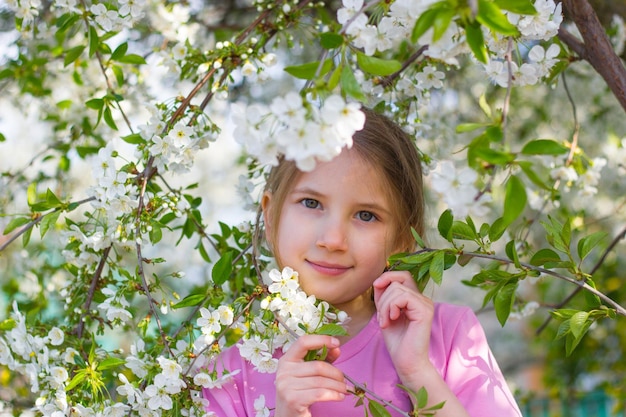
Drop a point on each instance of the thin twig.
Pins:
(597, 266)
(36, 221)
(92, 290)
(581, 283)
(387, 81)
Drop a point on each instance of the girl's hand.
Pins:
(300, 384)
(405, 317)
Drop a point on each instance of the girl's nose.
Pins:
(332, 235)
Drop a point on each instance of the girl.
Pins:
(336, 226)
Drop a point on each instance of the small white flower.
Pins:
(285, 283)
(56, 336)
(260, 409)
(429, 77)
(248, 69)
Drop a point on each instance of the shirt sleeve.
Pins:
(224, 401)
(473, 373)
(227, 400)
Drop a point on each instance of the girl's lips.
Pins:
(328, 269)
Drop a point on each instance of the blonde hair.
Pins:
(387, 148)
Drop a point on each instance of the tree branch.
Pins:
(595, 47)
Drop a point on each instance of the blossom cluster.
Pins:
(47, 363)
(175, 149)
(292, 127)
(114, 16)
(457, 189)
(286, 312)
(396, 26)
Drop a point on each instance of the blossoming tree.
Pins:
(515, 189)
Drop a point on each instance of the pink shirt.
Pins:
(458, 349)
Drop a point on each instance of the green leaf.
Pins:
(134, 138)
(331, 329)
(421, 398)
(592, 299)
(469, 127)
(94, 41)
(78, 378)
(578, 322)
(497, 229)
(119, 74)
(494, 133)
(423, 23)
(418, 238)
(51, 201)
(441, 22)
(132, 59)
(511, 252)
(517, 6)
(65, 21)
(586, 244)
(309, 70)
(491, 16)
(15, 223)
(156, 233)
(191, 300)
(48, 221)
(95, 103)
(329, 40)
(377, 66)
(119, 52)
(7, 324)
(108, 118)
(514, 200)
(110, 363)
(445, 224)
(463, 231)
(531, 172)
(31, 193)
(377, 409)
(542, 256)
(335, 77)
(503, 302)
(476, 41)
(203, 253)
(417, 258)
(72, 55)
(493, 156)
(544, 147)
(222, 269)
(26, 236)
(436, 267)
(350, 85)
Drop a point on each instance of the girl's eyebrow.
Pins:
(362, 205)
(306, 190)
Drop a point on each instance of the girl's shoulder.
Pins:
(453, 312)
(455, 325)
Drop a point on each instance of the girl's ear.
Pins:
(266, 202)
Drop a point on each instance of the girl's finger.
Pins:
(305, 343)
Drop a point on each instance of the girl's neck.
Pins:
(360, 312)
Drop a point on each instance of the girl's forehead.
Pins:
(346, 168)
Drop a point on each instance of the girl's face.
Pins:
(336, 229)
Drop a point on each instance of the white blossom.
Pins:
(458, 191)
(260, 409)
(56, 336)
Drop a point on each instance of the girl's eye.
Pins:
(310, 203)
(366, 216)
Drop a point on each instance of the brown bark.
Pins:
(595, 46)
